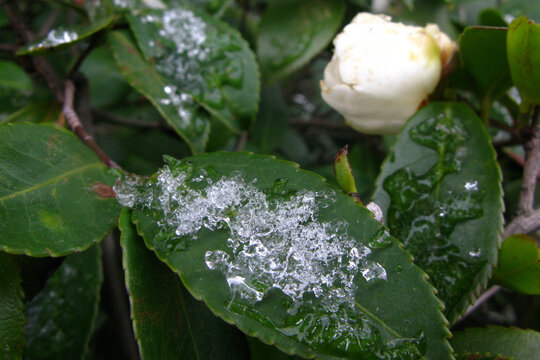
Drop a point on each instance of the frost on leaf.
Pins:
(275, 241)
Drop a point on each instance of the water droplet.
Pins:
(398, 268)
(381, 240)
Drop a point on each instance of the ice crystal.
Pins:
(273, 242)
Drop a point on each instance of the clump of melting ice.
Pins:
(56, 37)
(273, 242)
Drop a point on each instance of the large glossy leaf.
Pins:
(12, 318)
(51, 202)
(203, 58)
(61, 317)
(61, 38)
(168, 321)
(483, 52)
(519, 265)
(523, 39)
(511, 342)
(186, 117)
(299, 264)
(440, 193)
(292, 32)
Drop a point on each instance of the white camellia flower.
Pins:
(382, 72)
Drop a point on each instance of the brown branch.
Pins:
(530, 169)
(523, 224)
(76, 126)
(42, 66)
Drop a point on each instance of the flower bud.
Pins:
(382, 72)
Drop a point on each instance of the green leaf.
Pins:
(440, 193)
(511, 342)
(300, 265)
(62, 38)
(272, 120)
(51, 202)
(186, 117)
(13, 77)
(483, 52)
(61, 317)
(523, 52)
(492, 17)
(203, 58)
(519, 265)
(292, 32)
(11, 309)
(166, 318)
(107, 85)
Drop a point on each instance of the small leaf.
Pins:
(483, 52)
(183, 114)
(492, 17)
(287, 258)
(203, 58)
(62, 38)
(523, 52)
(48, 205)
(167, 320)
(61, 317)
(441, 196)
(292, 32)
(12, 318)
(519, 265)
(509, 342)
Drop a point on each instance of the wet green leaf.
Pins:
(440, 193)
(509, 342)
(523, 52)
(167, 320)
(292, 32)
(62, 38)
(204, 58)
(483, 52)
(186, 117)
(61, 317)
(12, 318)
(288, 231)
(50, 192)
(519, 265)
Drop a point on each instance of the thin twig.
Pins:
(42, 66)
(126, 121)
(481, 300)
(523, 224)
(241, 141)
(530, 169)
(317, 122)
(76, 126)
